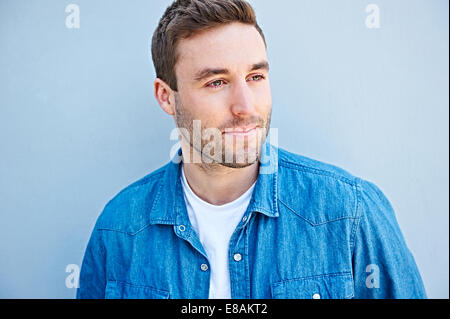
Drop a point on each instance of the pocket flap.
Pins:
(123, 290)
(333, 286)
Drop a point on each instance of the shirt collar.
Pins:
(169, 206)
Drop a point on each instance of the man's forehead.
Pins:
(234, 46)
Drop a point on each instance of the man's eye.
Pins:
(257, 77)
(215, 84)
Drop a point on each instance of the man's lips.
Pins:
(241, 130)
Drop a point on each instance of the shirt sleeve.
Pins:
(92, 280)
(383, 266)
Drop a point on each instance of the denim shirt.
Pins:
(311, 230)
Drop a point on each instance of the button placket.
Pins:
(238, 265)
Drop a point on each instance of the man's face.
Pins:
(222, 78)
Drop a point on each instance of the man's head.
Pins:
(211, 66)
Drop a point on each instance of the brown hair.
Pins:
(183, 18)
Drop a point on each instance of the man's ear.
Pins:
(165, 96)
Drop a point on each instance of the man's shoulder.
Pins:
(128, 210)
(307, 183)
(305, 166)
(318, 192)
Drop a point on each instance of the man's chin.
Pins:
(240, 162)
(238, 165)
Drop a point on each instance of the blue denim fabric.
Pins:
(312, 230)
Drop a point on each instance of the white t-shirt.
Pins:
(214, 226)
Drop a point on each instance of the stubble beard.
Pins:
(185, 124)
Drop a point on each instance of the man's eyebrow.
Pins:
(263, 65)
(207, 72)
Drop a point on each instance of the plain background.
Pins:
(78, 119)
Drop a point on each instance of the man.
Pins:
(233, 216)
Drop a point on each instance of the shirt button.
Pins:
(237, 257)
(316, 296)
(244, 219)
(204, 267)
(181, 228)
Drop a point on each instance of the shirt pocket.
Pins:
(123, 290)
(333, 286)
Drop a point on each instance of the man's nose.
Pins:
(241, 100)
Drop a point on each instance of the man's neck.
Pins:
(218, 184)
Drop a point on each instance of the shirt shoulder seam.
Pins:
(317, 171)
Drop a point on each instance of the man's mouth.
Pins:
(241, 131)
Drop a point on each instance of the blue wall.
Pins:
(78, 120)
